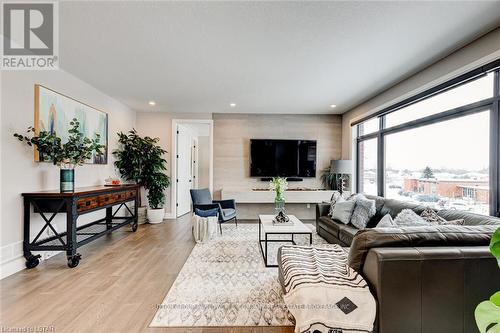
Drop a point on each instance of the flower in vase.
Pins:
(279, 185)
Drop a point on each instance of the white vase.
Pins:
(156, 216)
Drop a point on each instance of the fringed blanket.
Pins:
(323, 293)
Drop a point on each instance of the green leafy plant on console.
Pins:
(488, 312)
(76, 151)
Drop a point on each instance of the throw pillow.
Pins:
(206, 213)
(363, 211)
(342, 211)
(408, 218)
(432, 217)
(386, 222)
(336, 197)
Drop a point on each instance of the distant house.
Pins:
(478, 190)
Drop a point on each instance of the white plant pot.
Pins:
(156, 216)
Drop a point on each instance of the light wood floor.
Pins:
(117, 286)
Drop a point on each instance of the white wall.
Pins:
(203, 161)
(159, 124)
(19, 173)
(473, 55)
(201, 132)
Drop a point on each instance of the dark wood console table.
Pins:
(82, 201)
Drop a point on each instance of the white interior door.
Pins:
(184, 170)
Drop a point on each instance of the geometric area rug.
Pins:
(224, 283)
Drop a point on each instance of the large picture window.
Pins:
(440, 150)
(368, 166)
(443, 165)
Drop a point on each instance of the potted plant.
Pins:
(279, 185)
(328, 178)
(140, 159)
(487, 313)
(76, 151)
(157, 183)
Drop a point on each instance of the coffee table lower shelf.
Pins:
(266, 240)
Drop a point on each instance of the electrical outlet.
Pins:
(308, 205)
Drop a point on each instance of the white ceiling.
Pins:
(267, 57)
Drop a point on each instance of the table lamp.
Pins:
(343, 168)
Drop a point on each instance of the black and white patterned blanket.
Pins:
(323, 293)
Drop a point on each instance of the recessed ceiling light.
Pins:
(152, 103)
(233, 105)
(333, 106)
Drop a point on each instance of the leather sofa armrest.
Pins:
(430, 289)
(322, 209)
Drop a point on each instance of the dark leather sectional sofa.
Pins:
(425, 279)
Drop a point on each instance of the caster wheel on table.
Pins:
(74, 261)
(32, 261)
(134, 226)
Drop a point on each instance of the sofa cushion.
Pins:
(347, 233)
(394, 207)
(469, 218)
(329, 225)
(442, 235)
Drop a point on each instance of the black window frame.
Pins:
(492, 104)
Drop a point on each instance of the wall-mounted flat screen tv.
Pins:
(282, 158)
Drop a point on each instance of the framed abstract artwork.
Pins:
(54, 111)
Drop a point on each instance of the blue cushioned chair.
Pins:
(203, 200)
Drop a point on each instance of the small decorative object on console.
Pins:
(282, 219)
(110, 181)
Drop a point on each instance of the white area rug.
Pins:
(224, 283)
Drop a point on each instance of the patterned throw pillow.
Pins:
(364, 210)
(336, 197)
(433, 218)
(342, 211)
(408, 218)
(386, 222)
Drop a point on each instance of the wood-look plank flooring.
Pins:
(117, 286)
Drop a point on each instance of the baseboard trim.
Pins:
(11, 267)
(169, 216)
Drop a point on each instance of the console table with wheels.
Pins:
(48, 204)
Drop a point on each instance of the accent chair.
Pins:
(202, 199)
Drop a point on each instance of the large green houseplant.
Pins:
(140, 159)
(75, 151)
(488, 312)
(328, 178)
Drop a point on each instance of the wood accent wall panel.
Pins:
(232, 134)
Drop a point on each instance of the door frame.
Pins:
(173, 162)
